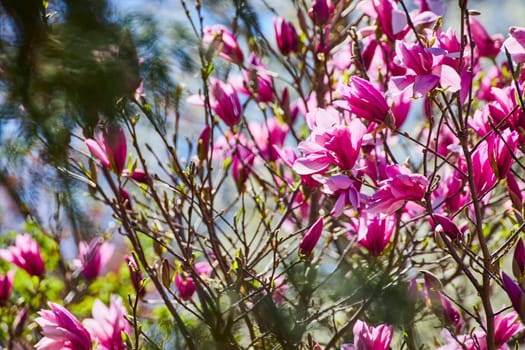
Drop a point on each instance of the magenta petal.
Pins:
(450, 79)
(424, 83)
(311, 164)
(98, 152)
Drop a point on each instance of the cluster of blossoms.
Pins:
(347, 156)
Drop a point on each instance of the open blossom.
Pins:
(364, 100)
(331, 142)
(515, 44)
(186, 285)
(311, 238)
(286, 36)
(224, 42)
(425, 70)
(374, 232)
(6, 285)
(370, 338)
(344, 189)
(505, 327)
(391, 19)
(61, 330)
(108, 324)
(109, 146)
(94, 256)
(25, 254)
(401, 186)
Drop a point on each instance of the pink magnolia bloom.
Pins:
(311, 238)
(515, 44)
(109, 146)
(451, 315)
(224, 42)
(225, 102)
(331, 142)
(94, 256)
(374, 233)
(501, 109)
(257, 83)
(392, 20)
(186, 285)
(61, 330)
(364, 100)
(501, 147)
(484, 176)
(401, 186)
(425, 70)
(6, 286)
(486, 45)
(505, 327)
(242, 164)
(321, 11)
(344, 189)
(25, 254)
(268, 136)
(370, 338)
(108, 324)
(286, 36)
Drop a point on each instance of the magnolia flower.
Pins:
(257, 82)
(400, 186)
(486, 45)
(515, 44)
(108, 324)
(61, 330)
(224, 42)
(286, 36)
(370, 338)
(364, 100)
(425, 70)
(225, 102)
(321, 11)
(109, 146)
(186, 285)
(505, 327)
(391, 19)
(6, 285)
(25, 254)
(94, 256)
(375, 233)
(311, 238)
